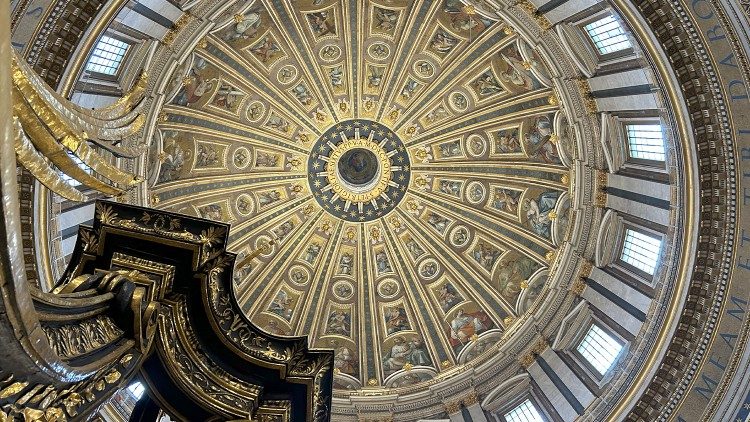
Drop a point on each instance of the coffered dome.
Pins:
(398, 184)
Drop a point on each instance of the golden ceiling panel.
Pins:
(396, 175)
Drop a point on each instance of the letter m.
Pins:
(710, 386)
(738, 310)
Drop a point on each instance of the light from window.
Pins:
(608, 35)
(641, 250)
(136, 389)
(600, 349)
(71, 181)
(107, 56)
(646, 141)
(524, 412)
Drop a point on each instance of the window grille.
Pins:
(600, 349)
(608, 35)
(107, 56)
(524, 412)
(641, 251)
(646, 141)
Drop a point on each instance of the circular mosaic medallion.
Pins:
(359, 170)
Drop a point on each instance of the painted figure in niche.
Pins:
(240, 158)
(450, 187)
(539, 140)
(344, 360)
(312, 252)
(453, 6)
(385, 19)
(374, 77)
(516, 71)
(414, 249)
(425, 69)
(269, 197)
(329, 52)
(302, 95)
(459, 101)
(255, 111)
(379, 50)
(283, 230)
(244, 204)
(439, 113)
(487, 85)
(278, 123)
(511, 273)
(197, 87)
(429, 269)
(450, 149)
(410, 88)
(211, 212)
(537, 212)
(265, 159)
(240, 273)
(465, 22)
(448, 297)
(437, 222)
(298, 276)
(507, 141)
(272, 327)
(322, 23)
(207, 156)
(172, 161)
(227, 98)
(396, 319)
(266, 51)
(343, 290)
(486, 255)
(336, 74)
(402, 352)
(244, 29)
(443, 43)
(339, 322)
(388, 288)
(383, 263)
(282, 305)
(476, 145)
(460, 236)
(465, 325)
(407, 380)
(476, 192)
(346, 262)
(506, 200)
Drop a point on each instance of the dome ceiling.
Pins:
(396, 177)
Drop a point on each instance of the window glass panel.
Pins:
(608, 35)
(641, 251)
(524, 412)
(136, 389)
(646, 141)
(107, 56)
(71, 181)
(600, 349)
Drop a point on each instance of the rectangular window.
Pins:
(600, 349)
(524, 412)
(107, 56)
(641, 250)
(646, 141)
(608, 35)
